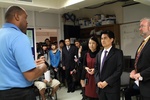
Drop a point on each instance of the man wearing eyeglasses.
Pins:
(141, 73)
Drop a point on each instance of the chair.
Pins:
(125, 82)
(36, 91)
(47, 93)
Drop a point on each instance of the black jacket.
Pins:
(143, 67)
(68, 57)
(111, 71)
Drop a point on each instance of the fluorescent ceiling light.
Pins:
(72, 2)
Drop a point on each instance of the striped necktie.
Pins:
(139, 52)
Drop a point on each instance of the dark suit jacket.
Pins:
(143, 67)
(68, 57)
(111, 71)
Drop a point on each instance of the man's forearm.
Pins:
(35, 73)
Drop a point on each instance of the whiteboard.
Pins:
(130, 38)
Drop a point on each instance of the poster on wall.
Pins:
(72, 40)
(30, 34)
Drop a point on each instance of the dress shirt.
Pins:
(103, 53)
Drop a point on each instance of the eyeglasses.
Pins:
(142, 26)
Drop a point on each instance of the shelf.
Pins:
(85, 32)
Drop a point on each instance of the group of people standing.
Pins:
(100, 69)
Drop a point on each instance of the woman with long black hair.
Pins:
(88, 69)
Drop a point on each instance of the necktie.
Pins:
(103, 61)
(68, 47)
(138, 53)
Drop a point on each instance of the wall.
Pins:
(38, 19)
(41, 20)
(115, 8)
(123, 14)
(1, 17)
(135, 12)
(30, 19)
(46, 20)
(130, 38)
(130, 35)
(49, 21)
(41, 36)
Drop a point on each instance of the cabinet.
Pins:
(71, 31)
(85, 32)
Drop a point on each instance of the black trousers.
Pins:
(108, 96)
(70, 82)
(145, 98)
(129, 92)
(18, 94)
(62, 76)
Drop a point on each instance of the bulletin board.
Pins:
(30, 34)
(130, 38)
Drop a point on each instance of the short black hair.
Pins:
(11, 11)
(67, 38)
(77, 40)
(54, 43)
(43, 44)
(47, 39)
(109, 33)
(61, 41)
(84, 46)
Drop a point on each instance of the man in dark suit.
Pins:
(108, 68)
(141, 73)
(68, 63)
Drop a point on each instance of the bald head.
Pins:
(17, 16)
(11, 11)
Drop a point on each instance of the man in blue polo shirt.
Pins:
(17, 67)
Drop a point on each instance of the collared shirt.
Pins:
(15, 57)
(146, 39)
(103, 53)
(143, 44)
(68, 47)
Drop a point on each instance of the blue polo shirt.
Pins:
(15, 57)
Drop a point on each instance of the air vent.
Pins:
(25, 0)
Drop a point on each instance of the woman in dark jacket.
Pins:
(88, 69)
